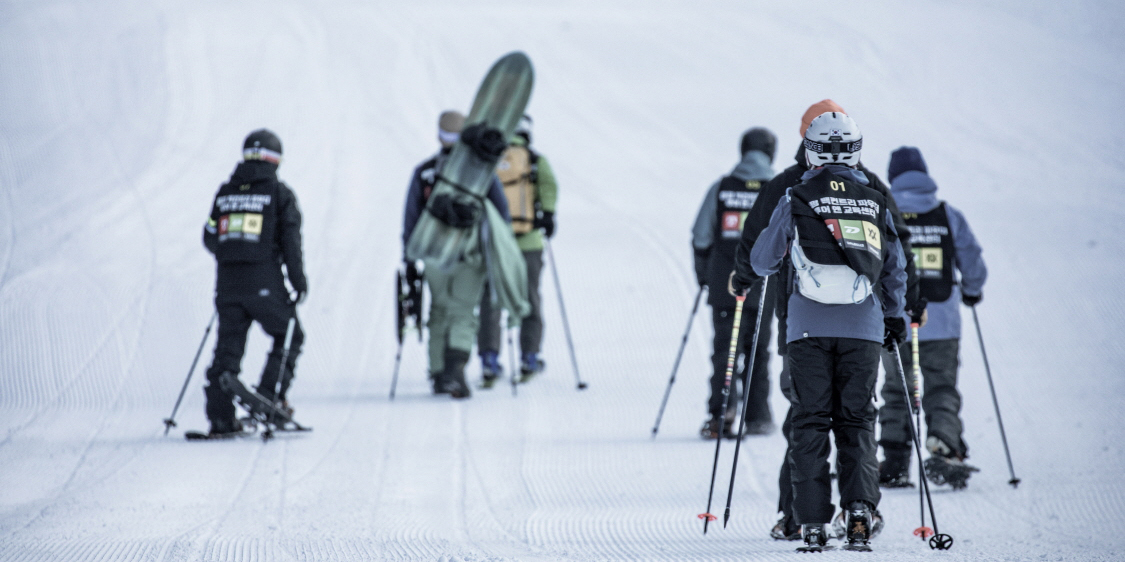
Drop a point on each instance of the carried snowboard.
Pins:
(450, 227)
(261, 411)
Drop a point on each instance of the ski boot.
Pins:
(437, 380)
(857, 525)
(730, 430)
(454, 373)
(816, 539)
(530, 365)
(786, 529)
(947, 467)
(894, 471)
(490, 368)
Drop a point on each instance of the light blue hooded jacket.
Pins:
(916, 192)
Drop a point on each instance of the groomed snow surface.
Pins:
(120, 119)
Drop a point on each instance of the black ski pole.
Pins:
(562, 309)
(285, 351)
(512, 361)
(1015, 482)
(170, 421)
(676, 365)
(938, 541)
(398, 360)
(746, 397)
(707, 516)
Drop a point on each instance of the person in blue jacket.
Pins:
(846, 297)
(951, 272)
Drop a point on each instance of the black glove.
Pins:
(916, 310)
(546, 221)
(740, 284)
(454, 212)
(300, 286)
(971, 300)
(894, 330)
(701, 257)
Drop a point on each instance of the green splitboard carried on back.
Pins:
(499, 104)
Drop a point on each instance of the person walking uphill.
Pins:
(845, 297)
(757, 220)
(254, 230)
(531, 190)
(715, 237)
(454, 293)
(946, 249)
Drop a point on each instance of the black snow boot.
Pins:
(224, 428)
(454, 373)
(786, 529)
(816, 539)
(894, 471)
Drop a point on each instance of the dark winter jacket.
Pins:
(916, 192)
(759, 219)
(252, 276)
(715, 265)
(810, 319)
(422, 183)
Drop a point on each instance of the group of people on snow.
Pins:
(847, 264)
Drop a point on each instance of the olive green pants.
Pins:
(454, 296)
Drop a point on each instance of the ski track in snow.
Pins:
(130, 116)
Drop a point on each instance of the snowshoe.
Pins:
(530, 365)
(263, 411)
(490, 369)
(894, 471)
(786, 529)
(949, 470)
(711, 428)
(857, 525)
(222, 430)
(760, 427)
(816, 540)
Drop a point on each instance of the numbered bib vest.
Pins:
(837, 250)
(516, 171)
(932, 242)
(735, 197)
(246, 217)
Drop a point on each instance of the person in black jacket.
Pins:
(756, 221)
(254, 230)
(715, 237)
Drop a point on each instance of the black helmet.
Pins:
(759, 138)
(262, 145)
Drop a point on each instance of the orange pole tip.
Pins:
(710, 517)
(924, 532)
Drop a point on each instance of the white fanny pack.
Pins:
(828, 284)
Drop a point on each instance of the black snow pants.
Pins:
(722, 320)
(941, 402)
(531, 328)
(271, 308)
(833, 384)
(784, 478)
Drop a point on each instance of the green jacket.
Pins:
(546, 195)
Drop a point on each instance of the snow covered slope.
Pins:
(120, 119)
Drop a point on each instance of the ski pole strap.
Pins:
(289, 332)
